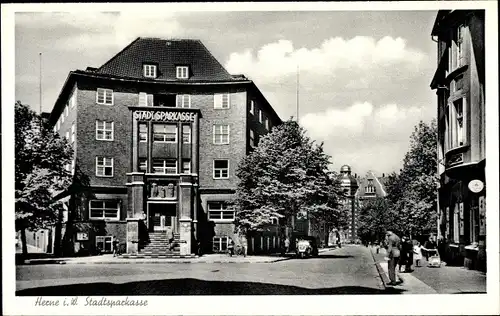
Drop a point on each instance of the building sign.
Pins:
(164, 116)
(476, 186)
(461, 212)
(82, 236)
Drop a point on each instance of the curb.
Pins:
(381, 272)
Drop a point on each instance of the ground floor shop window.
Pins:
(220, 243)
(105, 243)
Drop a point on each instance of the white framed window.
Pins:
(459, 115)
(186, 134)
(143, 164)
(456, 48)
(221, 101)
(219, 243)
(104, 166)
(165, 133)
(104, 209)
(66, 110)
(146, 99)
(104, 96)
(183, 101)
(252, 107)
(221, 134)
(149, 71)
(455, 134)
(143, 132)
(182, 72)
(261, 116)
(186, 166)
(73, 132)
(252, 139)
(266, 123)
(104, 130)
(165, 166)
(219, 211)
(221, 169)
(105, 243)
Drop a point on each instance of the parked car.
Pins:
(306, 247)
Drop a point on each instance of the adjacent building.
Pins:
(157, 132)
(459, 84)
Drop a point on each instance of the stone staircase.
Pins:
(159, 247)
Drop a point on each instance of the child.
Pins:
(417, 250)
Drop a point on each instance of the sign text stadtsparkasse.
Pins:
(165, 116)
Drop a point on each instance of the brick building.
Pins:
(158, 131)
(459, 84)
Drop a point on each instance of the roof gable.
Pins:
(166, 54)
(378, 183)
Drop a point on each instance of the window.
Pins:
(456, 48)
(186, 134)
(73, 132)
(143, 133)
(186, 166)
(219, 211)
(266, 123)
(104, 166)
(459, 112)
(104, 130)
(145, 99)
(104, 209)
(165, 166)
(104, 96)
(73, 99)
(149, 71)
(143, 165)
(165, 133)
(221, 101)
(252, 107)
(105, 243)
(66, 110)
(58, 124)
(252, 139)
(62, 118)
(219, 243)
(182, 72)
(221, 134)
(67, 136)
(260, 116)
(221, 169)
(183, 101)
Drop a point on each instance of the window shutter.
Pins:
(142, 99)
(217, 101)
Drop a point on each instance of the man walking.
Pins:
(393, 252)
(244, 245)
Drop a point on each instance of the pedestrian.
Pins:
(244, 245)
(429, 246)
(287, 245)
(230, 247)
(393, 253)
(403, 254)
(409, 255)
(417, 252)
(116, 245)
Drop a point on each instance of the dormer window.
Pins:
(149, 71)
(182, 72)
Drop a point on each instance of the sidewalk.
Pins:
(425, 280)
(209, 258)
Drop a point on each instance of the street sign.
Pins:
(476, 186)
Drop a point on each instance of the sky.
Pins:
(363, 75)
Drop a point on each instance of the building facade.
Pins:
(158, 132)
(459, 84)
(349, 187)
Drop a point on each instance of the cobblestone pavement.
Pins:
(348, 270)
(443, 280)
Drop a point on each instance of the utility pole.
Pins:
(40, 83)
(297, 88)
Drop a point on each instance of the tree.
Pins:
(375, 217)
(413, 191)
(285, 176)
(39, 171)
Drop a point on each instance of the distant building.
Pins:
(349, 187)
(157, 131)
(460, 89)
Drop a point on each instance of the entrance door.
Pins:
(162, 216)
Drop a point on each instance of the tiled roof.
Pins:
(166, 54)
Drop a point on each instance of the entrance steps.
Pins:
(160, 245)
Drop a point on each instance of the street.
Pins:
(348, 270)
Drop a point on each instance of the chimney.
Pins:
(383, 175)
